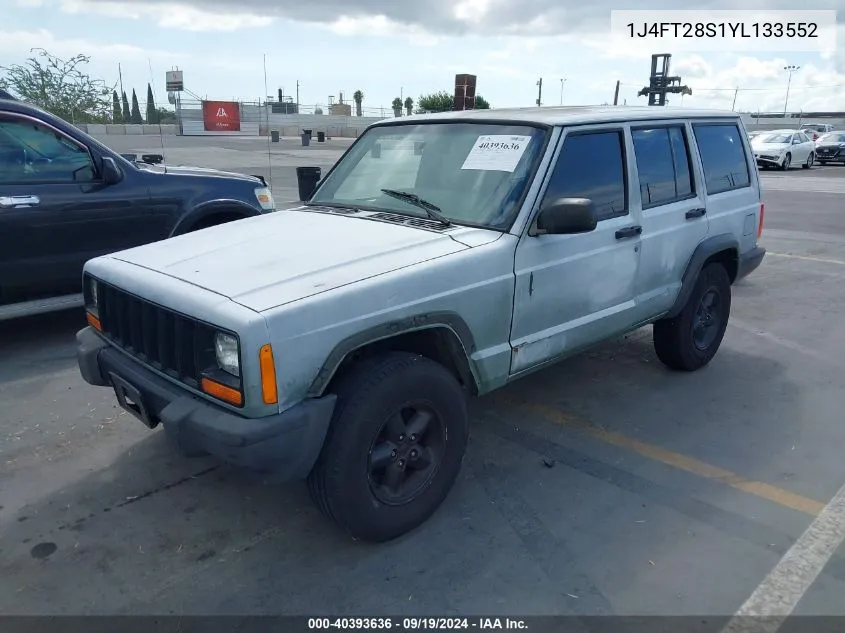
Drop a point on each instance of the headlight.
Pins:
(92, 298)
(265, 198)
(227, 353)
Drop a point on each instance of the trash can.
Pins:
(307, 179)
(274, 136)
(306, 139)
(321, 137)
(310, 133)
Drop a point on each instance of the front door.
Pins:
(574, 290)
(55, 211)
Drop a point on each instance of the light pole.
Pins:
(562, 81)
(539, 92)
(790, 69)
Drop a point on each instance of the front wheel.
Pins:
(809, 162)
(787, 161)
(690, 340)
(394, 448)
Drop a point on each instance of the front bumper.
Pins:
(284, 445)
(835, 155)
(769, 161)
(750, 261)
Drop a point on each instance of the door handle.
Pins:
(692, 214)
(8, 202)
(630, 231)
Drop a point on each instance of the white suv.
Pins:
(442, 257)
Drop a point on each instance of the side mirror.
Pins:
(111, 172)
(567, 216)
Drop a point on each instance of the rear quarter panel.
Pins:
(735, 212)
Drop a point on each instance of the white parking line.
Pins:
(807, 258)
(778, 340)
(781, 591)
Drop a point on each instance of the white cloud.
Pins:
(379, 26)
(177, 16)
(14, 43)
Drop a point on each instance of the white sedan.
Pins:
(784, 148)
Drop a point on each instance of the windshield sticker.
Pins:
(496, 152)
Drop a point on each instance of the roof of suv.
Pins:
(568, 115)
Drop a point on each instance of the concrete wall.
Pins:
(122, 130)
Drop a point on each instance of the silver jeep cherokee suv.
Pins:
(443, 256)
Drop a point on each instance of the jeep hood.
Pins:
(269, 260)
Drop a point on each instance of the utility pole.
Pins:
(616, 93)
(790, 69)
(736, 92)
(297, 96)
(120, 75)
(540, 92)
(562, 81)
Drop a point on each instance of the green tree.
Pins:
(358, 98)
(163, 115)
(127, 115)
(136, 118)
(397, 106)
(152, 111)
(60, 86)
(116, 113)
(409, 105)
(443, 102)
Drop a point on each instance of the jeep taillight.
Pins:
(762, 215)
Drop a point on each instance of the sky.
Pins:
(392, 48)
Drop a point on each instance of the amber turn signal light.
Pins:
(269, 390)
(221, 392)
(94, 322)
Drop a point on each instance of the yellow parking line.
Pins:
(807, 258)
(677, 460)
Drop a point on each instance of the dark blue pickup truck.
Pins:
(66, 198)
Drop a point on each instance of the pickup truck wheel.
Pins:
(394, 448)
(690, 340)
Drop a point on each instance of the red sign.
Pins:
(221, 116)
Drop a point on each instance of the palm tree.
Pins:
(358, 98)
(409, 105)
(397, 107)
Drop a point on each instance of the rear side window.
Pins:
(723, 157)
(592, 165)
(662, 164)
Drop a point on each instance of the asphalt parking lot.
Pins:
(605, 485)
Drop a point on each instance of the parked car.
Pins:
(783, 148)
(339, 341)
(830, 148)
(817, 128)
(65, 198)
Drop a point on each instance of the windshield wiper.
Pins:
(433, 211)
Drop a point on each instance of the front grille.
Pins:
(172, 343)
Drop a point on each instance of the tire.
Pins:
(348, 485)
(809, 162)
(787, 161)
(678, 342)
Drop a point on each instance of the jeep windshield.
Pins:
(474, 174)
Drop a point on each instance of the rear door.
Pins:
(674, 210)
(55, 211)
